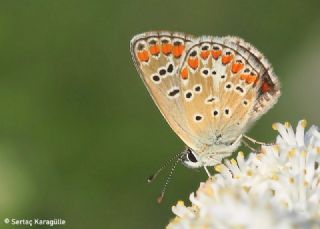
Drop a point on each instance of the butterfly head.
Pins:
(190, 159)
(211, 156)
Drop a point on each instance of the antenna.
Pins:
(159, 199)
(153, 176)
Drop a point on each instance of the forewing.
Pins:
(157, 56)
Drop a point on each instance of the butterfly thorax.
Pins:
(210, 154)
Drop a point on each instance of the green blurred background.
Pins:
(79, 133)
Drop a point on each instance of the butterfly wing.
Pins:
(209, 89)
(157, 56)
(227, 84)
(269, 85)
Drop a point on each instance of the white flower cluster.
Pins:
(278, 188)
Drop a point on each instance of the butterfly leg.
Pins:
(238, 140)
(255, 141)
(207, 171)
(250, 147)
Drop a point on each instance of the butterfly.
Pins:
(209, 89)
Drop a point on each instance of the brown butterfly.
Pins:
(209, 89)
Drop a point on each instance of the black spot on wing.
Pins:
(174, 92)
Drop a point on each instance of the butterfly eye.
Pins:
(190, 160)
(191, 157)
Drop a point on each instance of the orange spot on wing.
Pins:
(166, 48)
(193, 62)
(154, 49)
(251, 79)
(236, 67)
(143, 56)
(177, 50)
(244, 76)
(216, 54)
(204, 54)
(184, 73)
(265, 87)
(226, 59)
